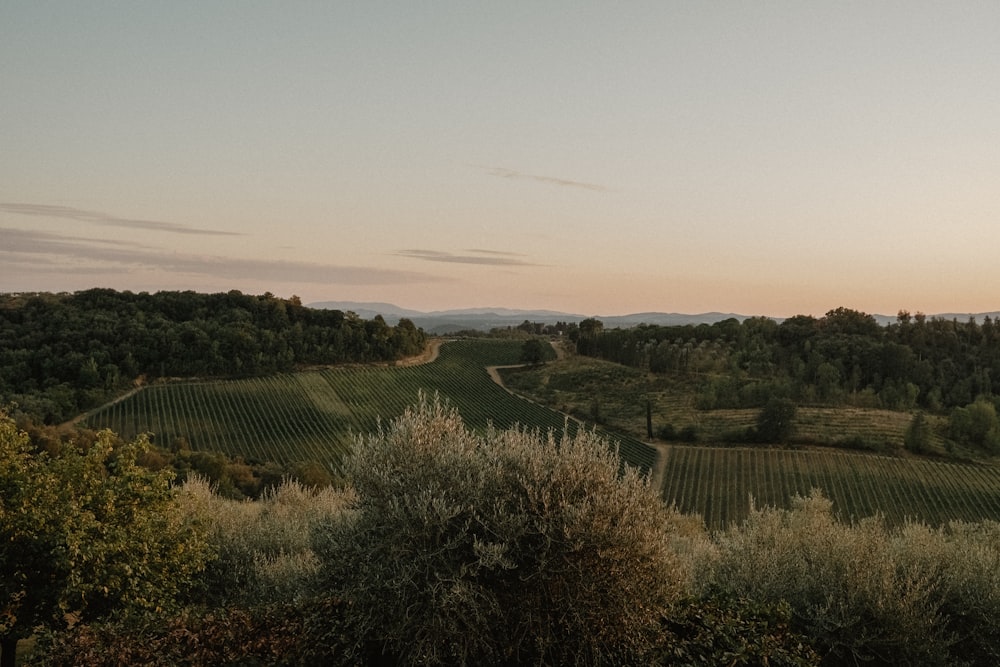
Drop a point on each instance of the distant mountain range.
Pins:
(484, 319)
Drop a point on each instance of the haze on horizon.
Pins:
(771, 158)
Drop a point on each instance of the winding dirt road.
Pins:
(658, 472)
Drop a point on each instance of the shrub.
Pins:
(976, 425)
(917, 438)
(776, 421)
(716, 630)
(261, 549)
(509, 547)
(264, 636)
(864, 593)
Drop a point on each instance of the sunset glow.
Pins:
(760, 158)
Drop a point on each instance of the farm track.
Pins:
(658, 468)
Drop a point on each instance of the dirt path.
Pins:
(80, 417)
(429, 355)
(656, 474)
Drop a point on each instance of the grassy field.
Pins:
(315, 415)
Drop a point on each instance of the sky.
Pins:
(763, 158)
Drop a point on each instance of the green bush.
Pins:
(865, 593)
(776, 421)
(976, 425)
(261, 550)
(509, 547)
(715, 630)
(917, 438)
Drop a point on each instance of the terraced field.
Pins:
(315, 415)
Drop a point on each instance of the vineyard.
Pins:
(718, 482)
(315, 415)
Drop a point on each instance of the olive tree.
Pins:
(507, 547)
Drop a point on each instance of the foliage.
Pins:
(260, 637)
(87, 532)
(863, 592)
(261, 551)
(533, 351)
(976, 425)
(776, 421)
(842, 357)
(64, 353)
(505, 547)
(717, 631)
(509, 547)
(918, 435)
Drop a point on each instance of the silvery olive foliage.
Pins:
(866, 593)
(261, 551)
(506, 547)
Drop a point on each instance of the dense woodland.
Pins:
(932, 363)
(61, 354)
(843, 358)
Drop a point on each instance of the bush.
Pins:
(264, 636)
(508, 547)
(865, 593)
(261, 549)
(716, 630)
(776, 421)
(917, 438)
(976, 425)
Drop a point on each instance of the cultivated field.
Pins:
(718, 482)
(314, 415)
(716, 479)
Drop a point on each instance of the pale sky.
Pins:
(765, 158)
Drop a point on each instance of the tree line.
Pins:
(61, 354)
(845, 356)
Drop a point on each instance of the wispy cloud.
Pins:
(487, 257)
(103, 219)
(503, 172)
(31, 248)
(498, 253)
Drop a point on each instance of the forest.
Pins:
(62, 354)
(845, 358)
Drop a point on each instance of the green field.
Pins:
(718, 482)
(314, 415)
(716, 479)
